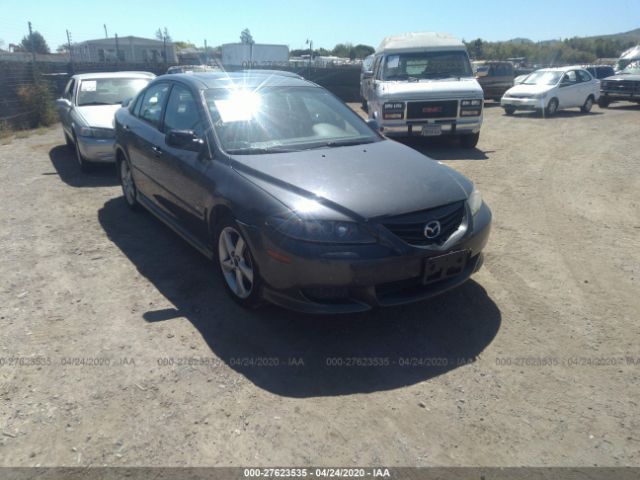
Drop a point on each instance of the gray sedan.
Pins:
(298, 200)
(86, 111)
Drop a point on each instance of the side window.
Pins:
(68, 91)
(151, 104)
(570, 78)
(377, 71)
(583, 76)
(182, 112)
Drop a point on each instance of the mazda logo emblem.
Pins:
(432, 229)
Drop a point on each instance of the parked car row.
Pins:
(298, 200)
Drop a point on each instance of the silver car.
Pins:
(86, 111)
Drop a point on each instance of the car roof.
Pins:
(205, 80)
(560, 69)
(419, 41)
(94, 75)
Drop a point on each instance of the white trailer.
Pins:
(246, 55)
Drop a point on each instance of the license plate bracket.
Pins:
(444, 266)
(431, 130)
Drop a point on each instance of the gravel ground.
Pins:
(120, 347)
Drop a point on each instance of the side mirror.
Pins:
(367, 74)
(126, 102)
(184, 139)
(63, 102)
(374, 125)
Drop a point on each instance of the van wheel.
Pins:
(588, 103)
(552, 107)
(509, 110)
(469, 141)
(603, 102)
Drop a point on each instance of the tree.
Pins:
(362, 51)
(246, 37)
(180, 45)
(342, 50)
(163, 34)
(35, 42)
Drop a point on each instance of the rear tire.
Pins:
(509, 110)
(603, 102)
(469, 141)
(85, 166)
(236, 264)
(129, 189)
(588, 104)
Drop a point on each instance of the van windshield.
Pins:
(426, 66)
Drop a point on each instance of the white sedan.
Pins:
(550, 89)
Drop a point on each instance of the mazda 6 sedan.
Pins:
(298, 201)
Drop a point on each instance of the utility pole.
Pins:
(106, 35)
(117, 50)
(33, 50)
(206, 53)
(164, 40)
(69, 47)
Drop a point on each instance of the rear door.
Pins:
(587, 86)
(145, 139)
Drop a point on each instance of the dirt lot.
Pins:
(103, 313)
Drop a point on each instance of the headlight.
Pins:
(321, 231)
(97, 132)
(474, 201)
(471, 103)
(541, 95)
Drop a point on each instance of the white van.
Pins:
(423, 84)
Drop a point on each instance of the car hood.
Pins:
(633, 77)
(452, 88)
(362, 182)
(530, 89)
(99, 116)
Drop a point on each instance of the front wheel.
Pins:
(237, 266)
(469, 141)
(603, 102)
(85, 165)
(509, 110)
(552, 108)
(588, 103)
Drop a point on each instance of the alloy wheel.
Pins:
(235, 262)
(128, 187)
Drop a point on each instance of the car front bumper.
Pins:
(314, 278)
(523, 103)
(97, 149)
(459, 126)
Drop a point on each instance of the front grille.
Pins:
(621, 86)
(440, 109)
(410, 227)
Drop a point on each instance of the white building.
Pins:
(124, 49)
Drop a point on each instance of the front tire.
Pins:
(85, 165)
(469, 141)
(603, 102)
(236, 265)
(552, 108)
(129, 189)
(509, 110)
(588, 104)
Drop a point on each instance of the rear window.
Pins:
(108, 91)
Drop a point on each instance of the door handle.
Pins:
(156, 150)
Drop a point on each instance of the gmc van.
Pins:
(423, 84)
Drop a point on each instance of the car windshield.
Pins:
(283, 119)
(426, 65)
(108, 91)
(543, 78)
(632, 69)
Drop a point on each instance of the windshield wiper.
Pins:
(96, 103)
(343, 143)
(259, 150)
